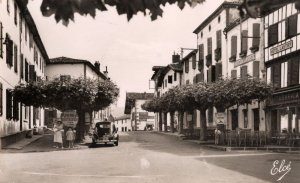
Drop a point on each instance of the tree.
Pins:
(80, 94)
(154, 105)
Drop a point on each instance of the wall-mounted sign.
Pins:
(220, 117)
(281, 47)
(245, 60)
(69, 118)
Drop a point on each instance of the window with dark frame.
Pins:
(256, 35)
(170, 78)
(291, 26)
(293, 71)
(8, 104)
(273, 34)
(194, 61)
(186, 64)
(15, 58)
(15, 110)
(276, 75)
(244, 41)
(9, 50)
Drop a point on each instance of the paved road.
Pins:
(144, 157)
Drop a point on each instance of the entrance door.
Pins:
(234, 119)
(256, 119)
(274, 121)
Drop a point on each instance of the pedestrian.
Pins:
(217, 135)
(58, 130)
(70, 137)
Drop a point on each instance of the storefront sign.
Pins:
(69, 118)
(281, 47)
(287, 97)
(245, 60)
(220, 117)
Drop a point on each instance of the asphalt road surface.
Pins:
(148, 157)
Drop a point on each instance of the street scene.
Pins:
(149, 91)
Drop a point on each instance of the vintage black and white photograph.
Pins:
(149, 91)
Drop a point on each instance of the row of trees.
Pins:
(81, 94)
(221, 94)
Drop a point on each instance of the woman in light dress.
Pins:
(58, 130)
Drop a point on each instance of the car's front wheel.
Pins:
(117, 143)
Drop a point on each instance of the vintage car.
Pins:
(105, 132)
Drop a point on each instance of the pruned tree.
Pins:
(80, 94)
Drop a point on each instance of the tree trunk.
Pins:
(181, 114)
(160, 122)
(203, 129)
(172, 121)
(80, 126)
(165, 122)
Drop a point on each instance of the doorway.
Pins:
(256, 119)
(234, 119)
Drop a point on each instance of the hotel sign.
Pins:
(245, 60)
(281, 47)
(285, 98)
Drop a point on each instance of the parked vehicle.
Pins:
(105, 132)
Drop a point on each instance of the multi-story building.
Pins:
(123, 123)
(281, 55)
(65, 68)
(140, 119)
(22, 59)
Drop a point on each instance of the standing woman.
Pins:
(58, 130)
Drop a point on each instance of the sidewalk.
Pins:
(183, 137)
(24, 142)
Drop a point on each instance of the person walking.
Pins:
(58, 130)
(70, 137)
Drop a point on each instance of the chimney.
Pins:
(175, 58)
(97, 65)
(105, 72)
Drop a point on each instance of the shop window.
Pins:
(15, 58)
(186, 68)
(1, 40)
(170, 78)
(245, 114)
(273, 34)
(8, 104)
(1, 99)
(291, 26)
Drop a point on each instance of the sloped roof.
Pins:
(131, 97)
(126, 116)
(67, 60)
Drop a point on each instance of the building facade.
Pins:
(123, 123)
(22, 59)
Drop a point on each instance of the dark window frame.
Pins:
(291, 26)
(272, 31)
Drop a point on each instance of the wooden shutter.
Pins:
(26, 70)
(219, 38)
(244, 72)
(175, 76)
(15, 109)
(9, 50)
(233, 45)
(233, 74)
(256, 35)
(218, 70)
(213, 73)
(291, 26)
(209, 79)
(1, 38)
(244, 39)
(293, 72)
(201, 52)
(273, 34)
(209, 46)
(194, 61)
(15, 58)
(8, 105)
(1, 99)
(186, 64)
(276, 75)
(31, 73)
(21, 66)
(256, 69)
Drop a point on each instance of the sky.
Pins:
(128, 49)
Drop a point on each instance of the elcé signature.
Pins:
(280, 168)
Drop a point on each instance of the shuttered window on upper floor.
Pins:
(15, 58)
(1, 99)
(186, 66)
(233, 45)
(211, 73)
(32, 74)
(244, 72)
(201, 57)
(256, 69)
(21, 66)
(170, 79)
(218, 70)
(276, 75)
(244, 44)
(194, 63)
(9, 50)
(1, 40)
(26, 70)
(219, 38)
(273, 34)
(291, 26)
(293, 72)
(256, 35)
(209, 46)
(175, 76)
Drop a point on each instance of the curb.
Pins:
(22, 143)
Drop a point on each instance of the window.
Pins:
(244, 43)
(256, 69)
(256, 35)
(16, 14)
(8, 104)
(284, 74)
(186, 68)
(194, 61)
(175, 76)
(245, 113)
(219, 38)
(21, 66)
(201, 57)
(1, 99)
(201, 34)
(211, 74)
(30, 41)
(209, 46)
(170, 79)
(219, 19)
(276, 75)
(1, 40)
(210, 115)
(166, 82)
(26, 70)
(218, 70)
(233, 46)
(9, 51)
(244, 72)
(209, 28)
(273, 34)
(32, 74)
(293, 71)
(15, 58)
(291, 26)
(15, 110)
(233, 74)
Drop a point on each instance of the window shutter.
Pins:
(26, 70)
(15, 58)
(256, 35)
(194, 61)
(293, 72)
(276, 75)
(213, 73)
(233, 45)
(244, 41)
(209, 79)
(8, 105)
(15, 109)
(31, 73)
(1, 38)
(256, 69)
(9, 50)
(218, 71)
(219, 38)
(273, 34)
(186, 64)
(209, 46)
(201, 57)
(233, 74)
(210, 115)
(291, 26)
(21, 66)
(244, 73)
(1, 99)
(175, 76)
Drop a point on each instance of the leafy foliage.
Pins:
(76, 94)
(153, 105)
(64, 9)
